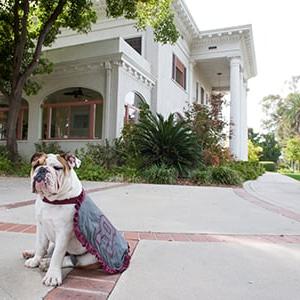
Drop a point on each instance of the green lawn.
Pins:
(293, 175)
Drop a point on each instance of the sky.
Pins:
(276, 32)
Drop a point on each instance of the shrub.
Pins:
(48, 147)
(22, 169)
(269, 166)
(166, 142)
(207, 123)
(7, 167)
(160, 174)
(90, 171)
(247, 170)
(202, 176)
(254, 151)
(105, 155)
(126, 173)
(225, 175)
(217, 175)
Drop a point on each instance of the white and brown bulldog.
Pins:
(69, 223)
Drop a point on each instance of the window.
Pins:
(206, 98)
(202, 95)
(135, 43)
(74, 113)
(132, 102)
(179, 71)
(197, 92)
(22, 123)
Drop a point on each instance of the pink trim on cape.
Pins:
(81, 238)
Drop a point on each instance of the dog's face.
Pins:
(53, 174)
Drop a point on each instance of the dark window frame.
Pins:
(135, 43)
(179, 71)
(202, 96)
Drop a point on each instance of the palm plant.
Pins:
(166, 142)
(292, 112)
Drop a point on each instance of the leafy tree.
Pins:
(291, 113)
(271, 148)
(26, 26)
(292, 151)
(271, 106)
(282, 115)
(254, 152)
(253, 136)
(209, 126)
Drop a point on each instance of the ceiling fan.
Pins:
(78, 92)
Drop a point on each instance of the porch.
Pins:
(84, 100)
(226, 60)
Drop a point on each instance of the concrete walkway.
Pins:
(209, 243)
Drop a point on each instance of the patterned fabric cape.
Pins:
(100, 238)
(97, 234)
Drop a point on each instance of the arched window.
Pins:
(22, 124)
(132, 102)
(73, 113)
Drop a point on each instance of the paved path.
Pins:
(188, 242)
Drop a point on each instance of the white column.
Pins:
(107, 101)
(244, 123)
(235, 98)
(191, 81)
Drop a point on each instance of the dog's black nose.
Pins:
(41, 174)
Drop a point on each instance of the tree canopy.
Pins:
(282, 115)
(26, 26)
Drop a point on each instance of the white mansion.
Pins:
(99, 78)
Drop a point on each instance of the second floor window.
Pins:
(135, 43)
(197, 91)
(179, 71)
(202, 96)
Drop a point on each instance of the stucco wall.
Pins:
(171, 96)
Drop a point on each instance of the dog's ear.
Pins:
(71, 159)
(38, 158)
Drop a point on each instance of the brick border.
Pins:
(135, 236)
(267, 205)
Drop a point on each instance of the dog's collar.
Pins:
(73, 200)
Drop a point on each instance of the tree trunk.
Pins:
(15, 101)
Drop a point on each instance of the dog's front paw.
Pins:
(28, 254)
(53, 278)
(32, 262)
(44, 264)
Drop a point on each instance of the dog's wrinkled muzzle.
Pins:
(39, 180)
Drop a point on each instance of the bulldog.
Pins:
(71, 230)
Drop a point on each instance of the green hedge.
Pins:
(248, 170)
(222, 175)
(269, 166)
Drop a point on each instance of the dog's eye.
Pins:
(57, 168)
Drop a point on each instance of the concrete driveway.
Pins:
(190, 242)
